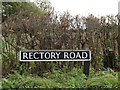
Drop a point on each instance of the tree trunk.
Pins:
(118, 39)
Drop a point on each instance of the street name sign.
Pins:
(55, 55)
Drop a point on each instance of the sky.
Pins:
(86, 7)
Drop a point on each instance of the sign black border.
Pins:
(56, 59)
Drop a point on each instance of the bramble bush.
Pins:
(46, 30)
(50, 31)
(59, 79)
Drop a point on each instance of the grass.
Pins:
(58, 79)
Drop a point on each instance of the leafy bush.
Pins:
(58, 79)
(107, 81)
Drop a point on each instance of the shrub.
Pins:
(58, 79)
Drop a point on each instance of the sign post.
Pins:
(86, 68)
(58, 55)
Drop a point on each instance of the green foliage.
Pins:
(106, 81)
(32, 27)
(15, 7)
(58, 79)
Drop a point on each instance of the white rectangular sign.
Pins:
(55, 55)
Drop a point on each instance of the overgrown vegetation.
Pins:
(58, 79)
(40, 28)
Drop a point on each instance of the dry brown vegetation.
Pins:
(51, 31)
